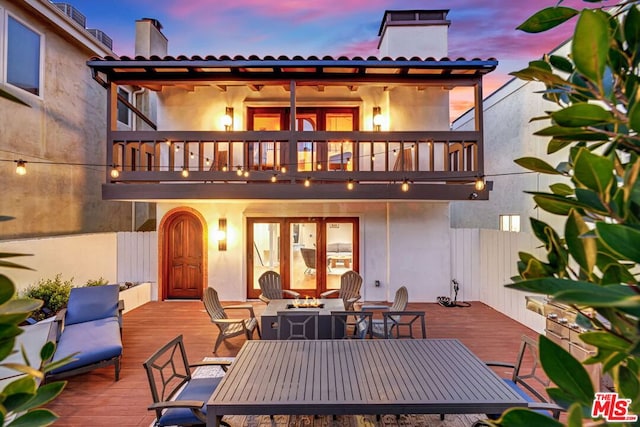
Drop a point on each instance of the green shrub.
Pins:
(54, 294)
(97, 282)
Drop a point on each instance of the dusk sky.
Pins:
(479, 28)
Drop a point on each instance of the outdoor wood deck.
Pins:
(95, 399)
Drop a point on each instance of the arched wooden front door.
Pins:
(183, 259)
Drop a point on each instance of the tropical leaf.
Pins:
(590, 44)
(565, 371)
(604, 340)
(582, 114)
(621, 239)
(546, 19)
(536, 165)
(583, 250)
(593, 171)
(35, 418)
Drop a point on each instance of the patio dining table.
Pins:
(358, 377)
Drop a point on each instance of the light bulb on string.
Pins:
(21, 168)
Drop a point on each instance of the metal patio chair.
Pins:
(527, 379)
(350, 324)
(298, 325)
(229, 327)
(178, 398)
(271, 287)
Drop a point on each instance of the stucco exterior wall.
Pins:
(408, 41)
(401, 244)
(67, 124)
(508, 135)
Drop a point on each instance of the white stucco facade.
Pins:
(509, 135)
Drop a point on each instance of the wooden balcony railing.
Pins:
(258, 156)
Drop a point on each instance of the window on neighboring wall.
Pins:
(23, 56)
(510, 223)
(123, 111)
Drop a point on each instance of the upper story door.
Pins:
(311, 156)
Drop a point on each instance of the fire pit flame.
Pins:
(308, 302)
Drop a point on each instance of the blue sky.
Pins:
(479, 28)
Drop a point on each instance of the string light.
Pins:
(283, 169)
(21, 168)
(207, 161)
(479, 184)
(192, 155)
(350, 184)
(274, 178)
(239, 171)
(185, 172)
(115, 173)
(405, 186)
(307, 182)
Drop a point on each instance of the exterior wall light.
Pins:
(377, 119)
(227, 119)
(221, 234)
(21, 167)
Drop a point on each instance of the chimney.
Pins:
(408, 33)
(149, 38)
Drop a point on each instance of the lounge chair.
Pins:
(229, 327)
(271, 287)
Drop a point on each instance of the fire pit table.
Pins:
(269, 319)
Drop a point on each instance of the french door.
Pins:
(309, 253)
(311, 156)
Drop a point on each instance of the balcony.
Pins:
(284, 165)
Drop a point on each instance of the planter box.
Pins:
(136, 296)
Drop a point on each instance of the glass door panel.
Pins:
(302, 258)
(266, 251)
(339, 238)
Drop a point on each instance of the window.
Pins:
(23, 57)
(123, 110)
(510, 223)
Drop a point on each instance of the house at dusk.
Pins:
(252, 161)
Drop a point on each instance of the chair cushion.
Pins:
(196, 389)
(95, 341)
(522, 393)
(92, 303)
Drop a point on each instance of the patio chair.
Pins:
(178, 398)
(526, 379)
(271, 287)
(229, 327)
(350, 283)
(351, 325)
(90, 328)
(309, 257)
(298, 325)
(400, 324)
(379, 327)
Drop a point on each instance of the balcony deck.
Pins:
(219, 165)
(95, 399)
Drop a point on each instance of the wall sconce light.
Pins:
(222, 234)
(227, 119)
(480, 184)
(115, 173)
(21, 167)
(377, 119)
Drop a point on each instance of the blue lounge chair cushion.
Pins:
(95, 341)
(196, 389)
(523, 394)
(92, 303)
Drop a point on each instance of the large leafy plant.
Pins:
(592, 264)
(21, 400)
